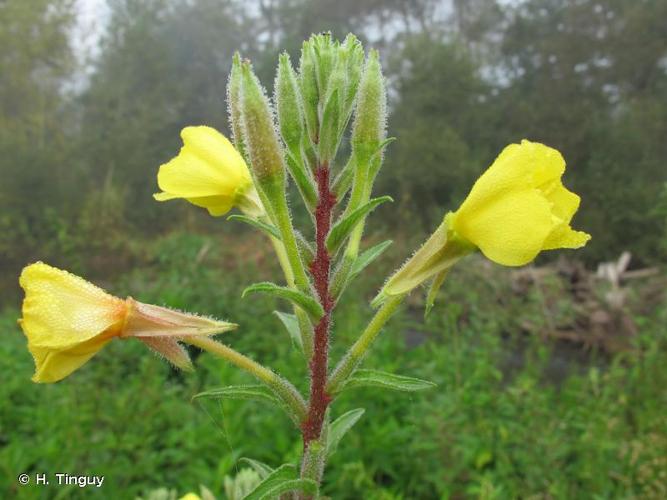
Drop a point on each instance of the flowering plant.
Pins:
(515, 210)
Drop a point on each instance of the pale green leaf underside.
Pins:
(376, 378)
(281, 480)
(345, 226)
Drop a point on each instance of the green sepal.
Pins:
(311, 306)
(377, 378)
(282, 480)
(291, 324)
(433, 291)
(269, 229)
(339, 427)
(367, 257)
(260, 468)
(247, 392)
(303, 180)
(345, 225)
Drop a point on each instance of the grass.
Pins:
(513, 416)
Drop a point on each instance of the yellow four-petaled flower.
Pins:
(209, 172)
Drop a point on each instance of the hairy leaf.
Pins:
(269, 229)
(251, 392)
(367, 257)
(259, 467)
(311, 306)
(376, 378)
(340, 426)
(282, 480)
(291, 324)
(344, 227)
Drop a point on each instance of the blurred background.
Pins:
(552, 380)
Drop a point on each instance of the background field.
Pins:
(551, 379)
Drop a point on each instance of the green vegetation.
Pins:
(513, 415)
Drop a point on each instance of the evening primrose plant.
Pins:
(516, 209)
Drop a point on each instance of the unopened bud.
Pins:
(259, 134)
(368, 131)
(308, 84)
(234, 105)
(289, 104)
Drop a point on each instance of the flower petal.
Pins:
(509, 230)
(61, 310)
(214, 148)
(54, 365)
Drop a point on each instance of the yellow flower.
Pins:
(516, 209)
(67, 320)
(520, 207)
(209, 173)
(190, 496)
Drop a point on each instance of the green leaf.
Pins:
(269, 229)
(291, 324)
(367, 257)
(305, 302)
(344, 226)
(340, 426)
(376, 378)
(303, 180)
(282, 480)
(250, 392)
(259, 467)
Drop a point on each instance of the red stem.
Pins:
(320, 270)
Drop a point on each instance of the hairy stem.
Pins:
(320, 270)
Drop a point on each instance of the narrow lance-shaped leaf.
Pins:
(282, 480)
(311, 306)
(259, 467)
(340, 426)
(291, 324)
(303, 180)
(346, 225)
(376, 378)
(248, 392)
(269, 229)
(367, 257)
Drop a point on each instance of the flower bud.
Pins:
(259, 133)
(289, 104)
(311, 96)
(368, 131)
(234, 105)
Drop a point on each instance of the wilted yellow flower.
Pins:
(209, 173)
(67, 320)
(520, 207)
(516, 209)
